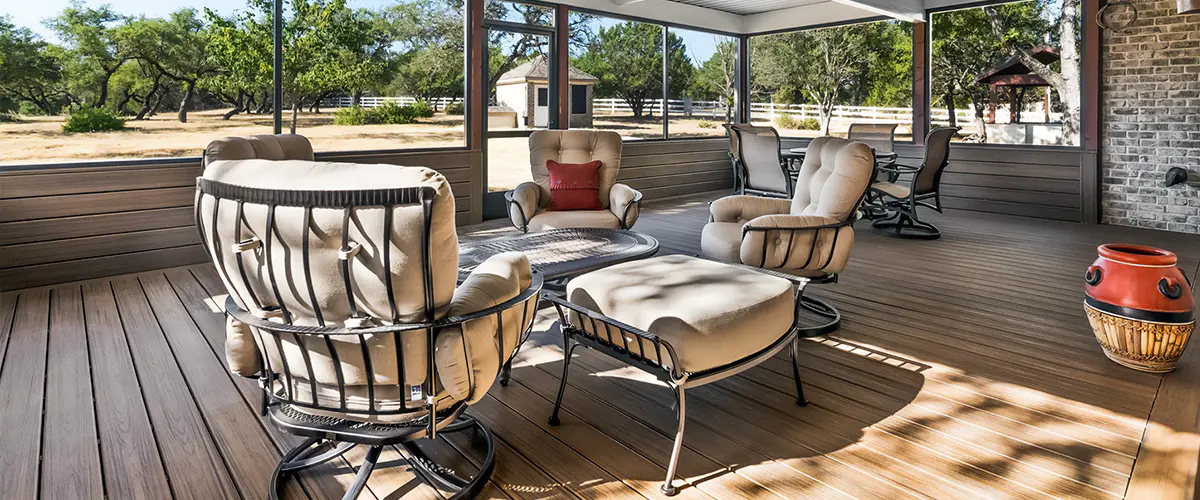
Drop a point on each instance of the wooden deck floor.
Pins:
(965, 369)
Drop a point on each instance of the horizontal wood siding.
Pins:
(662, 169)
(69, 223)
(1014, 180)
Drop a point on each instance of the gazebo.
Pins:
(1014, 76)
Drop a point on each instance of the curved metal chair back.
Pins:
(761, 164)
(344, 301)
(937, 157)
(880, 136)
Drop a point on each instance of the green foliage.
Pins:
(422, 109)
(790, 122)
(627, 58)
(8, 118)
(455, 108)
(31, 77)
(93, 120)
(705, 123)
(355, 115)
(391, 113)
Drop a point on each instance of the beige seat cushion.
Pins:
(722, 240)
(833, 178)
(891, 188)
(567, 219)
(261, 147)
(712, 314)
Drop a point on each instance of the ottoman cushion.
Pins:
(712, 313)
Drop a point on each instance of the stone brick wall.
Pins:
(1150, 121)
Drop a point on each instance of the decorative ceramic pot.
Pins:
(1140, 306)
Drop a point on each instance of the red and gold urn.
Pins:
(1140, 306)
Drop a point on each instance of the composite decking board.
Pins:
(625, 422)
(13, 233)
(238, 435)
(833, 438)
(51, 184)
(635, 470)
(8, 307)
(920, 409)
(47, 207)
(96, 246)
(128, 450)
(190, 456)
(196, 287)
(22, 386)
(70, 456)
(93, 267)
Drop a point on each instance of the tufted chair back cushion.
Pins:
(374, 266)
(261, 147)
(833, 178)
(575, 146)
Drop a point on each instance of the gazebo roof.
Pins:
(1013, 72)
(537, 70)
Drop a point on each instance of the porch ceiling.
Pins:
(757, 16)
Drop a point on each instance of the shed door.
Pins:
(541, 108)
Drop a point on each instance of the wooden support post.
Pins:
(1089, 116)
(562, 54)
(742, 81)
(476, 110)
(920, 101)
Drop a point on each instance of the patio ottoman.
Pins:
(687, 320)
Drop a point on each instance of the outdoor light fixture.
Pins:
(1179, 175)
(1189, 6)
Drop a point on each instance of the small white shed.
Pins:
(526, 89)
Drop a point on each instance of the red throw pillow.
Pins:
(574, 186)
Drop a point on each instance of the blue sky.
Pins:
(700, 46)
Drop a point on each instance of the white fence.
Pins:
(372, 102)
(709, 109)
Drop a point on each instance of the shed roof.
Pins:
(536, 69)
(1014, 72)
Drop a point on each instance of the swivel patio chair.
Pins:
(529, 204)
(880, 136)
(899, 198)
(343, 304)
(761, 169)
(810, 235)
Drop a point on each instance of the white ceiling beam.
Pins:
(904, 10)
(816, 14)
(665, 10)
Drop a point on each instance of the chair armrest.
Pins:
(898, 168)
(523, 204)
(742, 208)
(661, 355)
(626, 203)
(798, 243)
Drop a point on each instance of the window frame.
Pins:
(1084, 113)
(916, 90)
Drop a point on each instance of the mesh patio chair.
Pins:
(344, 304)
(528, 204)
(880, 136)
(810, 235)
(762, 170)
(733, 157)
(899, 198)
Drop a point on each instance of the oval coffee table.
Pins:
(559, 254)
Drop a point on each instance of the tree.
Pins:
(30, 69)
(93, 50)
(241, 47)
(819, 64)
(627, 58)
(962, 49)
(716, 79)
(177, 47)
(1065, 81)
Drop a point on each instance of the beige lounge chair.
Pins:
(344, 304)
(528, 203)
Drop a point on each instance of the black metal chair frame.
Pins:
(279, 402)
(509, 202)
(742, 174)
(897, 216)
(656, 356)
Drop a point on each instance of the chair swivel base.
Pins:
(314, 451)
(901, 225)
(823, 309)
